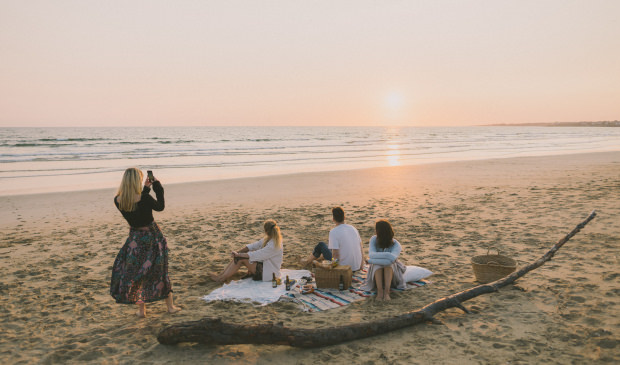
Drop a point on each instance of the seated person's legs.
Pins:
(388, 275)
(320, 252)
(232, 268)
(379, 283)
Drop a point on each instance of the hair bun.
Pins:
(270, 224)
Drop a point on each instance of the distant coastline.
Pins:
(615, 123)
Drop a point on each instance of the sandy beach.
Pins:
(57, 250)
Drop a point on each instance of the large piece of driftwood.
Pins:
(213, 331)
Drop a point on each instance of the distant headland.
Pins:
(614, 123)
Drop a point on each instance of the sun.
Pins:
(394, 100)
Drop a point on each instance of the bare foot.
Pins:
(174, 309)
(215, 277)
(140, 314)
(379, 296)
(304, 262)
(386, 296)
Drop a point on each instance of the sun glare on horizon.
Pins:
(394, 113)
(394, 101)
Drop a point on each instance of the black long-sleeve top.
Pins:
(143, 214)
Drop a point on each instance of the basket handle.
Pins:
(497, 250)
(494, 248)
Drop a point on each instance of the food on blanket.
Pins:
(307, 289)
(308, 279)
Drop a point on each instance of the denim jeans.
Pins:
(321, 249)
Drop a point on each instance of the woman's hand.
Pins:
(240, 255)
(148, 182)
(233, 254)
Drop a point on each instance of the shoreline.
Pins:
(245, 190)
(338, 171)
(60, 185)
(58, 248)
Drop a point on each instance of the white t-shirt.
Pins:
(346, 238)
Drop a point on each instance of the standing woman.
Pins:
(140, 271)
(385, 270)
(263, 258)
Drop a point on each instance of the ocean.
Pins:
(37, 160)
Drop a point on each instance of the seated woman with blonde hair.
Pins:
(385, 270)
(263, 258)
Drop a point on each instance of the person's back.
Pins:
(345, 244)
(346, 239)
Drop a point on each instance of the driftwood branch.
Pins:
(213, 331)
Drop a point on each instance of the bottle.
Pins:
(274, 282)
(288, 283)
(341, 284)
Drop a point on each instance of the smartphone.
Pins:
(150, 176)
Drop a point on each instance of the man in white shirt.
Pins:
(345, 244)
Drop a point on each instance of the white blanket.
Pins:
(250, 291)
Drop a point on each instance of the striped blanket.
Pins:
(323, 299)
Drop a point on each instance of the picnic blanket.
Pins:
(262, 293)
(324, 299)
(250, 291)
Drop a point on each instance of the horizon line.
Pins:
(323, 126)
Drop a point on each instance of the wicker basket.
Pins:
(328, 277)
(488, 268)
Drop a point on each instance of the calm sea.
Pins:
(34, 160)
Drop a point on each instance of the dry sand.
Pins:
(57, 250)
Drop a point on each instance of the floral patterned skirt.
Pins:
(140, 271)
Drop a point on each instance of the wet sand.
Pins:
(57, 250)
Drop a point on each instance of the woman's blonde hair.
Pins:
(131, 185)
(272, 232)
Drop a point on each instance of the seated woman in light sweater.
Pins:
(385, 270)
(263, 258)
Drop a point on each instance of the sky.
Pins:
(308, 63)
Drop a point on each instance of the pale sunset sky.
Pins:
(306, 63)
